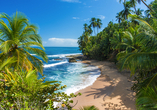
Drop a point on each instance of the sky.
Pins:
(61, 22)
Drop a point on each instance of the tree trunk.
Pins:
(135, 9)
(94, 30)
(147, 6)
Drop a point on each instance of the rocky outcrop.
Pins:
(72, 60)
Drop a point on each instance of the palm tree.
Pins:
(119, 17)
(144, 58)
(147, 13)
(134, 3)
(121, 1)
(139, 1)
(85, 27)
(139, 12)
(147, 98)
(126, 10)
(98, 22)
(17, 38)
(90, 29)
(93, 23)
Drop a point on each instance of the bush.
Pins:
(23, 90)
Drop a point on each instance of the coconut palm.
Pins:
(93, 23)
(17, 39)
(147, 13)
(134, 3)
(121, 1)
(144, 58)
(139, 12)
(147, 98)
(85, 27)
(90, 29)
(98, 22)
(126, 10)
(139, 1)
(119, 17)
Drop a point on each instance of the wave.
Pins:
(88, 81)
(33, 54)
(62, 55)
(55, 64)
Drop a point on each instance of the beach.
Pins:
(111, 90)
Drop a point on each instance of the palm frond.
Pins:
(138, 61)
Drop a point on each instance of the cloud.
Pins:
(71, 1)
(86, 19)
(44, 42)
(101, 17)
(88, 6)
(61, 42)
(76, 18)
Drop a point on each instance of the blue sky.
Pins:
(61, 22)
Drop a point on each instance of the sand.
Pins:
(111, 91)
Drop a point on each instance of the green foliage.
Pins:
(17, 39)
(24, 90)
(89, 108)
(147, 94)
(132, 44)
(20, 88)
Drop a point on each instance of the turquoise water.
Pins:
(75, 75)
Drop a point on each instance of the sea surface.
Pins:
(76, 76)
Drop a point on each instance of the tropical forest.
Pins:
(131, 43)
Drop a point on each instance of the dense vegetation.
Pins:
(20, 88)
(131, 44)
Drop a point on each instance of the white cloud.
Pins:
(76, 18)
(86, 19)
(44, 42)
(71, 1)
(84, 3)
(101, 17)
(61, 42)
(89, 6)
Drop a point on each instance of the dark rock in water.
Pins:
(72, 60)
(58, 59)
(77, 57)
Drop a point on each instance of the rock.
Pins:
(78, 56)
(58, 59)
(72, 60)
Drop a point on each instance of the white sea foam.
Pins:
(55, 64)
(87, 80)
(62, 55)
(33, 54)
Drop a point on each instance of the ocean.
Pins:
(76, 76)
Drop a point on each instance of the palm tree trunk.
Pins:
(135, 9)
(97, 30)
(94, 30)
(147, 6)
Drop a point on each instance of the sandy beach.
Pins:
(111, 90)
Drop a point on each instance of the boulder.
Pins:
(72, 60)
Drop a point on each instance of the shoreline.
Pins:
(110, 91)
